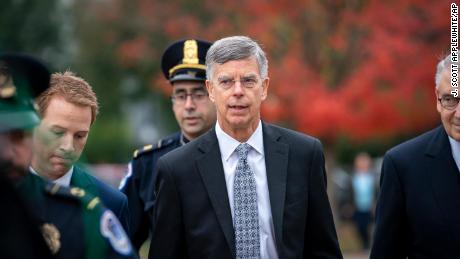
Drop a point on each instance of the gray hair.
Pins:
(442, 65)
(235, 48)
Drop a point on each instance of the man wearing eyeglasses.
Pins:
(183, 65)
(246, 188)
(418, 210)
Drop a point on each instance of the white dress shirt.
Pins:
(256, 160)
(63, 180)
(455, 146)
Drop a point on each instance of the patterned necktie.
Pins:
(245, 207)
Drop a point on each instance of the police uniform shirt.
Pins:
(139, 185)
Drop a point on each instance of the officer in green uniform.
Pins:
(183, 65)
(20, 235)
(72, 223)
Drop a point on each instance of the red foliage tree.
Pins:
(360, 69)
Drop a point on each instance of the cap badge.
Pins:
(7, 88)
(190, 52)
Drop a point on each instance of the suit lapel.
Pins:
(276, 163)
(212, 172)
(445, 179)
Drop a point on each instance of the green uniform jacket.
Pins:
(112, 199)
(74, 222)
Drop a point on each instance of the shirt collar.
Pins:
(229, 144)
(63, 180)
(183, 139)
(455, 146)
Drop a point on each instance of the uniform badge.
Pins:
(77, 192)
(190, 52)
(114, 232)
(52, 237)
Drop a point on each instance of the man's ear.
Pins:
(265, 84)
(210, 88)
(438, 104)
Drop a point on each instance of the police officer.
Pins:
(72, 223)
(183, 64)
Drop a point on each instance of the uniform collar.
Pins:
(183, 139)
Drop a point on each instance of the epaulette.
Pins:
(88, 200)
(55, 189)
(150, 148)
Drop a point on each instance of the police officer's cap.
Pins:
(22, 78)
(184, 60)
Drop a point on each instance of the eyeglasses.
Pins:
(449, 102)
(246, 82)
(181, 97)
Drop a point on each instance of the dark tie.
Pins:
(246, 221)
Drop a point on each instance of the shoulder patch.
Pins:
(114, 232)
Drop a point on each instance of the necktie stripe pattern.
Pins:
(246, 221)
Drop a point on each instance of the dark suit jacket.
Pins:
(192, 216)
(110, 197)
(418, 210)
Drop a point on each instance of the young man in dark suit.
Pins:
(244, 189)
(418, 208)
(68, 109)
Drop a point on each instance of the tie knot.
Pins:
(242, 150)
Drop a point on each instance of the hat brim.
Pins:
(18, 120)
(185, 77)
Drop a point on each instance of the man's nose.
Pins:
(238, 88)
(67, 144)
(189, 102)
